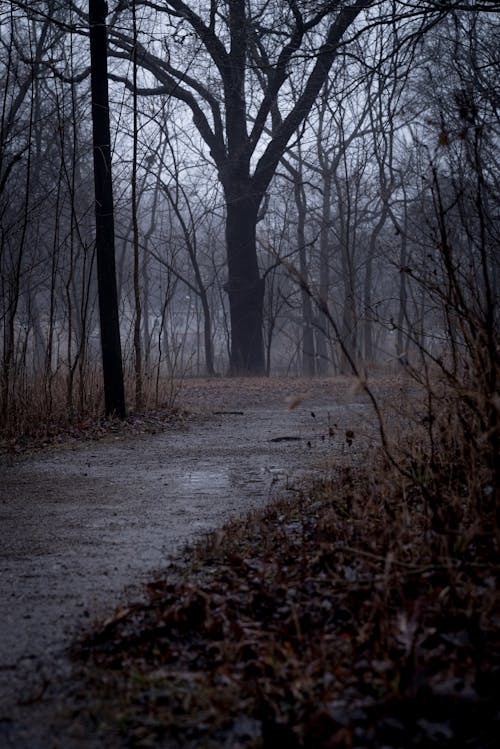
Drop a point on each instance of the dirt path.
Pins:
(80, 523)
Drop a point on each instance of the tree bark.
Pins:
(114, 396)
(245, 287)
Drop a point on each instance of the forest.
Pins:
(299, 188)
(280, 209)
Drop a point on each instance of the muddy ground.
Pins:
(83, 526)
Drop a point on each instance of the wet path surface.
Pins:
(80, 524)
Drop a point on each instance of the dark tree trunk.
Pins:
(323, 331)
(207, 336)
(402, 339)
(369, 351)
(245, 287)
(308, 354)
(112, 366)
(349, 351)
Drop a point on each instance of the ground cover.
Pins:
(364, 613)
(360, 612)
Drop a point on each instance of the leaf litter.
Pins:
(325, 621)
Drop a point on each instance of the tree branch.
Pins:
(269, 160)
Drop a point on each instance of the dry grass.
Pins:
(38, 418)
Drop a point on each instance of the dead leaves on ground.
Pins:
(313, 626)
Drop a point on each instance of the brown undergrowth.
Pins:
(363, 614)
(38, 418)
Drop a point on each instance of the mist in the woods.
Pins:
(249, 301)
(293, 184)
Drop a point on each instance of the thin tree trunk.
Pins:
(323, 325)
(402, 340)
(135, 224)
(308, 359)
(114, 395)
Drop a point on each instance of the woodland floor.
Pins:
(328, 611)
(88, 510)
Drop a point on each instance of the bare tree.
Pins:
(246, 58)
(105, 233)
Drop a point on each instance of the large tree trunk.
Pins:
(245, 287)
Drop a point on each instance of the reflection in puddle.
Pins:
(208, 480)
